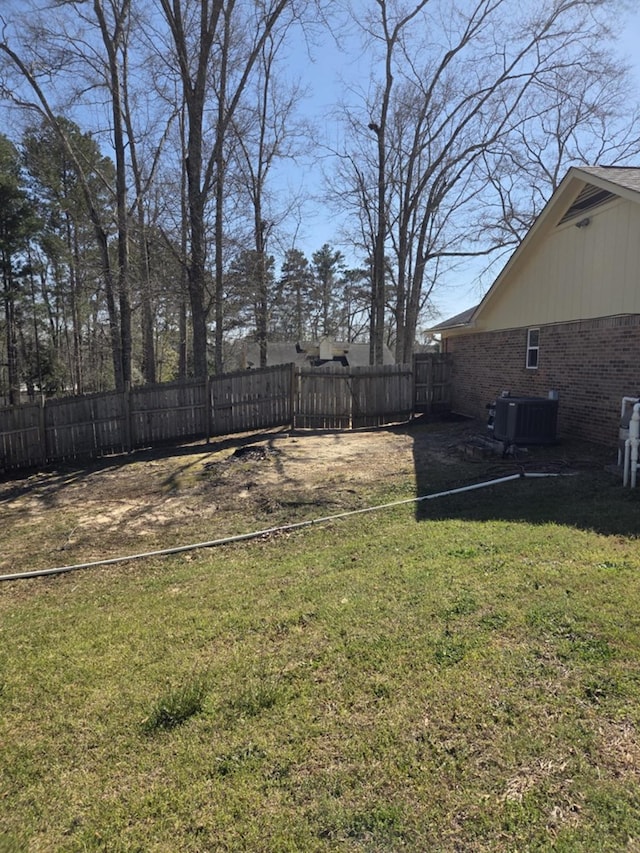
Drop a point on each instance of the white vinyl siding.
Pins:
(572, 274)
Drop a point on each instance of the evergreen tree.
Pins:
(18, 225)
(328, 268)
(293, 296)
(355, 306)
(70, 286)
(243, 283)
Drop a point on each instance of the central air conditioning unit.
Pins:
(525, 420)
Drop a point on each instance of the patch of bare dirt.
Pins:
(153, 500)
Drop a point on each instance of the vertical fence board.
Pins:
(335, 397)
(84, 427)
(251, 399)
(169, 412)
(110, 430)
(432, 378)
(69, 428)
(20, 436)
(324, 398)
(383, 394)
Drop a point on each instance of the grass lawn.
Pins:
(463, 678)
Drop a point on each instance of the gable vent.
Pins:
(590, 198)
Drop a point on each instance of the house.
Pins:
(564, 313)
(312, 353)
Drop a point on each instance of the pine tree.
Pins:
(18, 225)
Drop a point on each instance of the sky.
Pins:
(327, 76)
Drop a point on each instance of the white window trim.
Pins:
(531, 348)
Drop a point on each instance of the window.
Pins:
(533, 347)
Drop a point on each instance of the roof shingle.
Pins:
(624, 176)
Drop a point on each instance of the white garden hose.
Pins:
(242, 537)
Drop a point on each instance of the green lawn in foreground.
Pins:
(464, 682)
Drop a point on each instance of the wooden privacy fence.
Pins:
(350, 398)
(432, 382)
(94, 425)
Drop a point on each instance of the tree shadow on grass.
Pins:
(586, 491)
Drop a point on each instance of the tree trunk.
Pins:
(262, 301)
(219, 266)
(112, 43)
(13, 377)
(147, 324)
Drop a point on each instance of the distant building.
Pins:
(312, 353)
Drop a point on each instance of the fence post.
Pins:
(208, 408)
(126, 417)
(293, 394)
(42, 426)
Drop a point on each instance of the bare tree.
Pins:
(84, 48)
(217, 44)
(594, 119)
(265, 131)
(146, 134)
(392, 24)
(455, 83)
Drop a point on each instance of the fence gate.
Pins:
(432, 382)
(336, 397)
(250, 399)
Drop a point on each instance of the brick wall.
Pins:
(591, 363)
